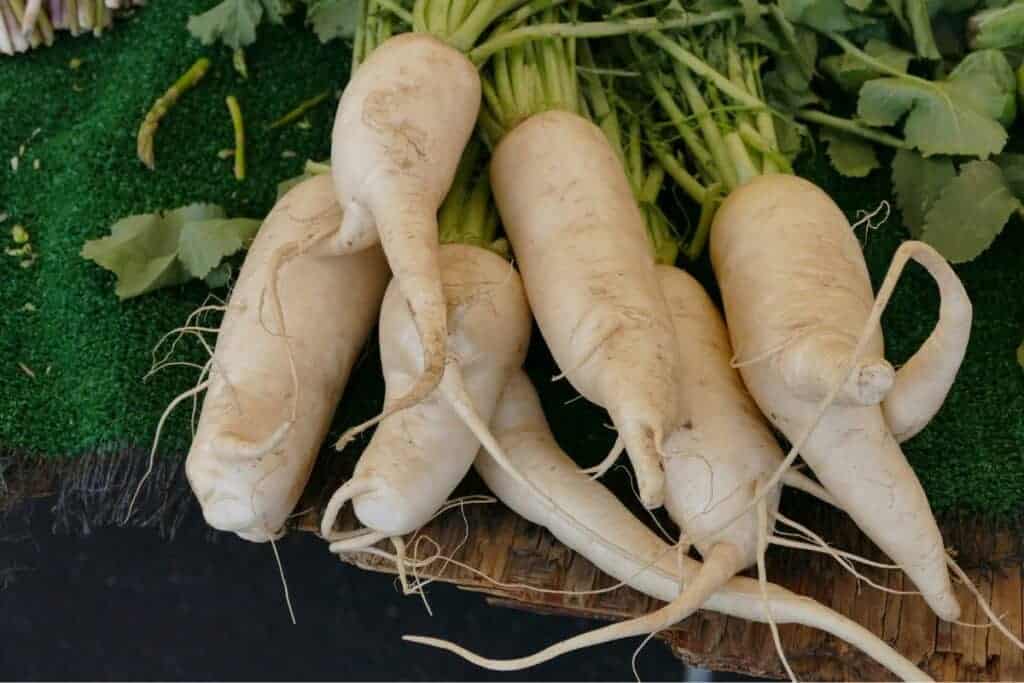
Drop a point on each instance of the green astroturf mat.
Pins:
(73, 360)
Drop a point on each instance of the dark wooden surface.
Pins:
(518, 554)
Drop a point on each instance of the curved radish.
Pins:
(261, 427)
(401, 126)
(418, 456)
(797, 293)
(924, 381)
(621, 546)
(587, 263)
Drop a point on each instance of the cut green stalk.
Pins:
(299, 111)
(147, 131)
(239, 128)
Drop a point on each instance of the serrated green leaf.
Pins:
(232, 22)
(970, 213)
(332, 19)
(918, 182)
(851, 73)
(149, 251)
(991, 65)
(851, 156)
(956, 116)
(203, 244)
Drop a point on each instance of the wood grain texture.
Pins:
(519, 555)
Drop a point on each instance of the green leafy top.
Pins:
(960, 214)
(162, 249)
(234, 22)
(959, 115)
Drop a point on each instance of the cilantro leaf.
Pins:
(333, 18)
(850, 73)
(970, 213)
(918, 182)
(853, 157)
(958, 115)
(149, 251)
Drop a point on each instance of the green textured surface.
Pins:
(92, 398)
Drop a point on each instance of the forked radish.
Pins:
(401, 127)
(418, 456)
(272, 390)
(797, 296)
(588, 268)
(607, 534)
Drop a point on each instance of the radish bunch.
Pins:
(27, 24)
(461, 115)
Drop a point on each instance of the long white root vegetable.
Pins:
(619, 544)
(588, 266)
(273, 391)
(797, 296)
(419, 455)
(402, 124)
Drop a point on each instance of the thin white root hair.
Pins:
(601, 468)
(810, 546)
(284, 581)
(193, 421)
(636, 655)
(866, 219)
(845, 564)
(762, 582)
(983, 603)
(156, 440)
(346, 492)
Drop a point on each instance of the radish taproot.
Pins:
(589, 272)
(418, 456)
(273, 389)
(619, 544)
(796, 309)
(401, 127)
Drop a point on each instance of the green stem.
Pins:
(394, 8)
(709, 128)
(700, 68)
(746, 169)
(597, 29)
(452, 212)
(675, 170)
(878, 65)
(359, 39)
(848, 126)
(708, 207)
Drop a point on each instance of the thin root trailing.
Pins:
(284, 581)
(762, 582)
(983, 603)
